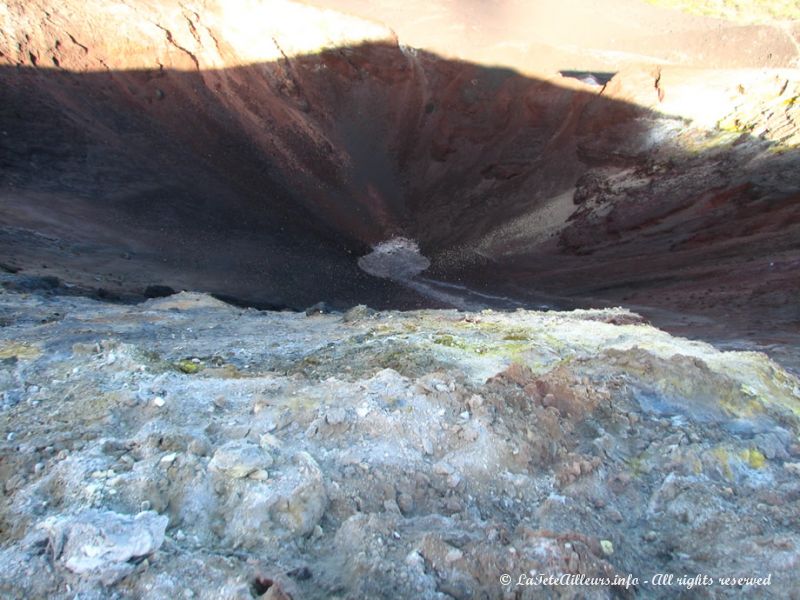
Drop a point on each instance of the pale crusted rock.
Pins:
(388, 484)
(358, 313)
(289, 505)
(239, 458)
(102, 545)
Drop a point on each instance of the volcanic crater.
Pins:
(145, 147)
(217, 215)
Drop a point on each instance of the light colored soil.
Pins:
(539, 36)
(745, 11)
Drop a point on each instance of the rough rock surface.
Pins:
(104, 545)
(185, 448)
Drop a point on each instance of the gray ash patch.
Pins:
(398, 259)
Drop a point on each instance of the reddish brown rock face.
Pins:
(168, 155)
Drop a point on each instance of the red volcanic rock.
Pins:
(214, 148)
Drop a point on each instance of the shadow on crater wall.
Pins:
(266, 183)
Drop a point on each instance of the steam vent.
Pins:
(382, 299)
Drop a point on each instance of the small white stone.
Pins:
(158, 402)
(259, 475)
(336, 415)
(267, 440)
(442, 468)
(453, 555)
(168, 459)
(475, 401)
(792, 467)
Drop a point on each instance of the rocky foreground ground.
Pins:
(185, 448)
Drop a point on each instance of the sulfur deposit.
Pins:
(382, 454)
